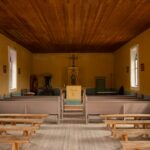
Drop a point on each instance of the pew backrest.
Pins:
(95, 105)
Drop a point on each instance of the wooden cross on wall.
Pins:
(73, 58)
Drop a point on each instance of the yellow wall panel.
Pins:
(90, 65)
(24, 58)
(122, 60)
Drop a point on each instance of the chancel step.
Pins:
(73, 107)
(73, 110)
(74, 118)
(74, 113)
(78, 119)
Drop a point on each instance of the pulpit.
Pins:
(73, 95)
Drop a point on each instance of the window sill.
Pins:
(135, 88)
(13, 89)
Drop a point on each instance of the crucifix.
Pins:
(73, 58)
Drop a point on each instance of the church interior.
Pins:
(74, 75)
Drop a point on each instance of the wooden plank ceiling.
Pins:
(73, 25)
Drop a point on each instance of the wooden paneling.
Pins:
(73, 25)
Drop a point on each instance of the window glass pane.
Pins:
(134, 66)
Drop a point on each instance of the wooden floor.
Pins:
(71, 137)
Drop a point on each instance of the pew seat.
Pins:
(125, 116)
(15, 141)
(112, 123)
(33, 116)
(135, 145)
(27, 130)
(125, 133)
(33, 122)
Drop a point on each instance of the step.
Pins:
(73, 110)
(73, 116)
(74, 113)
(73, 107)
(74, 119)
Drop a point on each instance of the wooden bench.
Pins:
(34, 122)
(33, 116)
(135, 145)
(96, 105)
(112, 123)
(27, 130)
(124, 133)
(125, 116)
(14, 140)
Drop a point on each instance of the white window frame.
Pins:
(12, 56)
(134, 66)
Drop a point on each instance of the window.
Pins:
(134, 77)
(12, 68)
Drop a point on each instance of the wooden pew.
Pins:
(125, 116)
(34, 122)
(32, 105)
(112, 123)
(124, 133)
(33, 116)
(111, 97)
(27, 130)
(14, 140)
(135, 145)
(94, 105)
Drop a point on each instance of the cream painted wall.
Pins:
(122, 60)
(90, 66)
(24, 58)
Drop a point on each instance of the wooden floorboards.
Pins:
(71, 137)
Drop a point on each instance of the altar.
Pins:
(73, 72)
(73, 76)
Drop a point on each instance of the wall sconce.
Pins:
(19, 71)
(142, 67)
(4, 69)
(127, 69)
